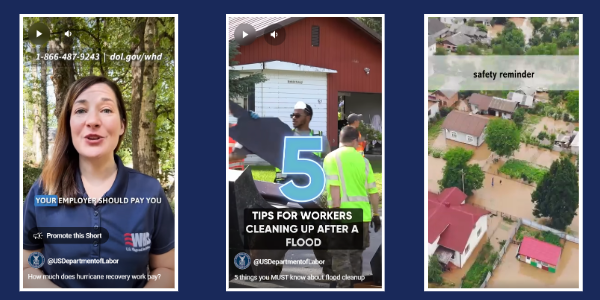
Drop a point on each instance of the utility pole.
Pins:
(462, 172)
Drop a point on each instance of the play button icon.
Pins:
(244, 34)
(39, 34)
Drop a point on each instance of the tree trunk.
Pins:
(171, 192)
(35, 98)
(147, 152)
(44, 107)
(137, 67)
(64, 72)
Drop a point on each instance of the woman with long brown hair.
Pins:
(125, 212)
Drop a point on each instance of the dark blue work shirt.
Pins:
(151, 227)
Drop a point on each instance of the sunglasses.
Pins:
(297, 116)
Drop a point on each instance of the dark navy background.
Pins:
(202, 107)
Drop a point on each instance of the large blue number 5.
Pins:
(293, 164)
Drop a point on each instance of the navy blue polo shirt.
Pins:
(151, 227)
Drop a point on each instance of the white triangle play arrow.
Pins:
(37, 33)
(244, 34)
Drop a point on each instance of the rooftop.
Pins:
(450, 220)
(504, 105)
(539, 250)
(482, 101)
(464, 122)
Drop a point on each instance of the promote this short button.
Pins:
(39, 34)
(244, 34)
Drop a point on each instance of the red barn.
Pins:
(322, 61)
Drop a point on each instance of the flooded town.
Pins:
(498, 165)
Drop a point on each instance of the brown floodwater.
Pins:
(435, 166)
(512, 273)
(511, 197)
(535, 155)
(552, 126)
(518, 21)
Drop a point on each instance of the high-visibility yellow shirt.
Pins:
(348, 169)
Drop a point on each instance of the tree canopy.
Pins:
(456, 166)
(510, 41)
(557, 195)
(502, 137)
(573, 103)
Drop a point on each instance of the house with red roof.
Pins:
(539, 254)
(455, 228)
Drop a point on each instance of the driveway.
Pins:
(512, 273)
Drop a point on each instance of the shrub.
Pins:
(577, 128)
(437, 116)
(566, 117)
(542, 135)
(444, 111)
(545, 127)
(437, 154)
(30, 175)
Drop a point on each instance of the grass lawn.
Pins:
(545, 236)
(483, 264)
(267, 173)
(434, 130)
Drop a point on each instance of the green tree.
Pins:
(537, 23)
(373, 23)
(239, 86)
(482, 27)
(556, 29)
(535, 40)
(502, 137)
(566, 39)
(543, 49)
(461, 50)
(474, 50)
(453, 177)
(519, 117)
(511, 41)
(557, 195)
(574, 25)
(471, 22)
(573, 103)
(440, 51)
(434, 270)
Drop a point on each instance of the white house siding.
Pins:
(474, 239)
(433, 246)
(434, 109)
(462, 137)
(447, 20)
(277, 96)
(431, 50)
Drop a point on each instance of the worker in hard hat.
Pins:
(351, 185)
(301, 117)
(354, 121)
